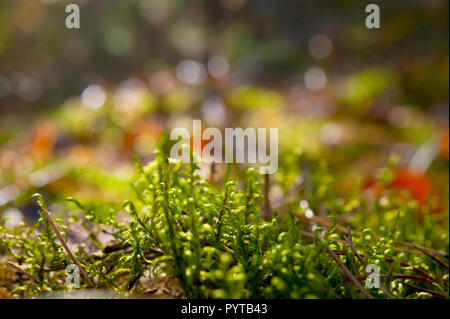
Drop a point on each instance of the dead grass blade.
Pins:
(67, 249)
(349, 274)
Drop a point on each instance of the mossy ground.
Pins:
(187, 237)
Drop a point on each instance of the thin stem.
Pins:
(349, 240)
(440, 262)
(424, 290)
(22, 271)
(349, 274)
(67, 249)
(4, 294)
(328, 223)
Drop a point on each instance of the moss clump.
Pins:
(184, 237)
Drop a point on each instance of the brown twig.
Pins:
(422, 248)
(415, 277)
(4, 294)
(22, 271)
(328, 223)
(343, 252)
(440, 262)
(349, 274)
(424, 274)
(349, 240)
(403, 264)
(424, 290)
(425, 277)
(113, 247)
(66, 247)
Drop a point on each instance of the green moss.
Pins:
(189, 238)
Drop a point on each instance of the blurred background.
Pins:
(76, 104)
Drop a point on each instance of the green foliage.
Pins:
(193, 239)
